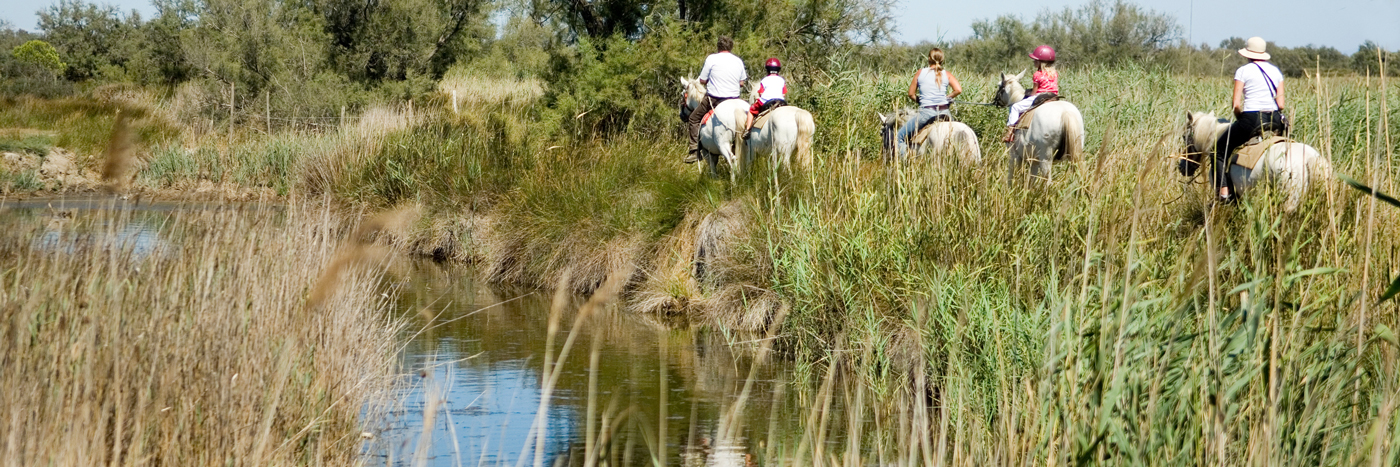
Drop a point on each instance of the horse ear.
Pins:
(1021, 74)
(1188, 117)
(883, 118)
(1003, 76)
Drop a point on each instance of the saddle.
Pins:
(922, 135)
(762, 117)
(1025, 121)
(1248, 156)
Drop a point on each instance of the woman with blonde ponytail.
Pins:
(930, 88)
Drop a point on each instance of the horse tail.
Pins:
(741, 130)
(1072, 133)
(971, 145)
(1319, 169)
(806, 127)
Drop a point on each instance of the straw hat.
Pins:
(1254, 49)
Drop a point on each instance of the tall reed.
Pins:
(135, 337)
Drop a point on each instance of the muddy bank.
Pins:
(705, 269)
(59, 173)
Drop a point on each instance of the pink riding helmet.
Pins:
(1043, 53)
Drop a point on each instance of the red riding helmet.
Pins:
(1043, 53)
(773, 65)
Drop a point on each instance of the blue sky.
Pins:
(1343, 24)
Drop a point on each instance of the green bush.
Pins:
(23, 181)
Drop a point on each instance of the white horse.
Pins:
(719, 136)
(944, 136)
(787, 129)
(1056, 130)
(1290, 165)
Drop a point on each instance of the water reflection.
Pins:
(657, 390)
(135, 227)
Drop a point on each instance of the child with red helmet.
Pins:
(772, 89)
(1046, 79)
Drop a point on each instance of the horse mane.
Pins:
(693, 89)
(1205, 128)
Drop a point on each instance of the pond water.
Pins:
(476, 361)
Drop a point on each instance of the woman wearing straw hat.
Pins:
(1258, 104)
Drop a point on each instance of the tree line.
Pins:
(613, 60)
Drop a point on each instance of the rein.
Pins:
(989, 104)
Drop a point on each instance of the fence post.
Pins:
(231, 90)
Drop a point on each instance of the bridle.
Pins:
(685, 101)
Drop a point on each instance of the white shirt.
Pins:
(1258, 95)
(722, 74)
(931, 93)
(772, 87)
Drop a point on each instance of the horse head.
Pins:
(889, 125)
(1009, 90)
(1198, 138)
(692, 91)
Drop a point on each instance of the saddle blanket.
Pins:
(1025, 121)
(1248, 156)
(762, 118)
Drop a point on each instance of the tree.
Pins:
(377, 40)
(1099, 33)
(97, 40)
(1368, 58)
(40, 53)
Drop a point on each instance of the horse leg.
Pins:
(1040, 166)
(785, 152)
(1013, 161)
(735, 165)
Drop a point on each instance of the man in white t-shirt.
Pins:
(1258, 104)
(723, 76)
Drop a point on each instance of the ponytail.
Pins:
(935, 62)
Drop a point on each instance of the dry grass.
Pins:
(474, 91)
(331, 160)
(193, 348)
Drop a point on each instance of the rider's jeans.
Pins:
(914, 124)
(1247, 125)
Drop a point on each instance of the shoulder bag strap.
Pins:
(1273, 90)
